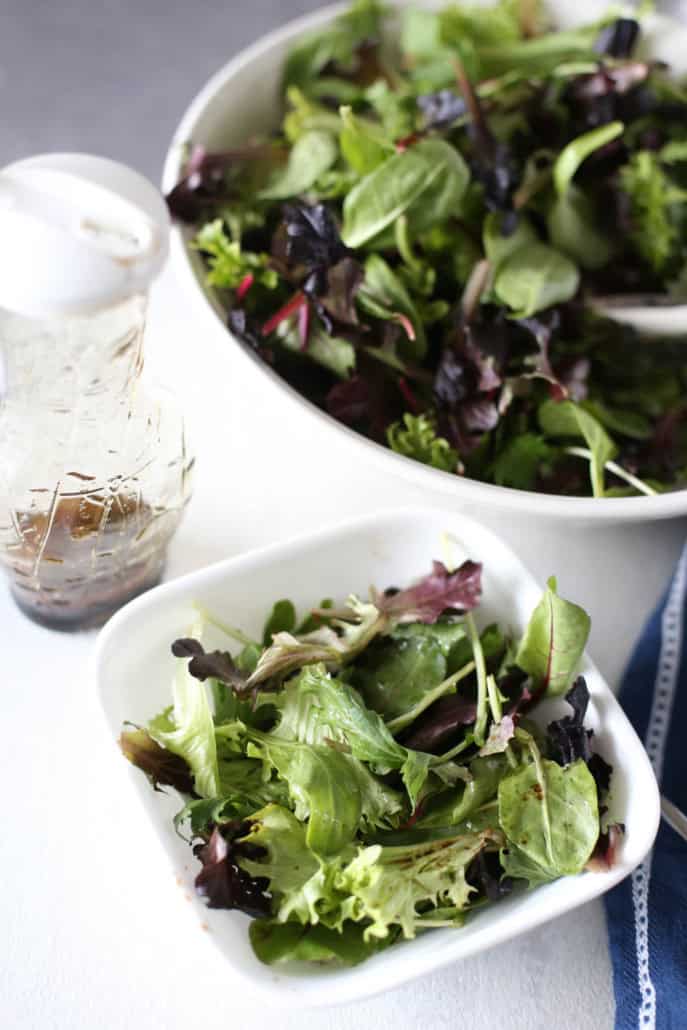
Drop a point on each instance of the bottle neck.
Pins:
(61, 363)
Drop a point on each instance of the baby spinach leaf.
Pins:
(497, 245)
(553, 641)
(363, 144)
(400, 673)
(426, 182)
(311, 155)
(566, 418)
(336, 44)
(535, 277)
(551, 815)
(332, 352)
(572, 228)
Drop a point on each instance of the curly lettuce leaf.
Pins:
(187, 729)
(387, 885)
(416, 437)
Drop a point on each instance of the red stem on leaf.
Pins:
(408, 396)
(244, 286)
(291, 306)
(304, 325)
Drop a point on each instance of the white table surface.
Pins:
(94, 931)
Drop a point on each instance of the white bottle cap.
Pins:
(77, 234)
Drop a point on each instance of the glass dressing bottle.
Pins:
(94, 465)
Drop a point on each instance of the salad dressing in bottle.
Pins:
(94, 467)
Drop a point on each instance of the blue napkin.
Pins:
(647, 913)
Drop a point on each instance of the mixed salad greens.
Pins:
(372, 771)
(415, 249)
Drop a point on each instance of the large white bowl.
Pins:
(243, 99)
(134, 669)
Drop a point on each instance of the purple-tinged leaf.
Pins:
(435, 593)
(604, 854)
(436, 728)
(204, 664)
(222, 882)
(162, 767)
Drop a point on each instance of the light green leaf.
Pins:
(332, 790)
(535, 277)
(426, 182)
(363, 144)
(228, 263)
(187, 729)
(551, 815)
(383, 295)
(415, 437)
(573, 229)
(311, 155)
(578, 150)
(553, 641)
(290, 942)
(566, 418)
(498, 247)
(388, 885)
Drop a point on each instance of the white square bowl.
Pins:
(134, 668)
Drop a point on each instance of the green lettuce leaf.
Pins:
(551, 815)
(387, 885)
(331, 789)
(187, 729)
(291, 942)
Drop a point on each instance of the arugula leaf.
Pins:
(551, 815)
(332, 790)
(566, 418)
(553, 641)
(535, 277)
(311, 155)
(416, 437)
(317, 708)
(455, 807)
(425, 182)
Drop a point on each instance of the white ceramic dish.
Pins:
(134, 668)
(243, 99)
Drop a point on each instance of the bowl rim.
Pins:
(278, 986)
(188, 267)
